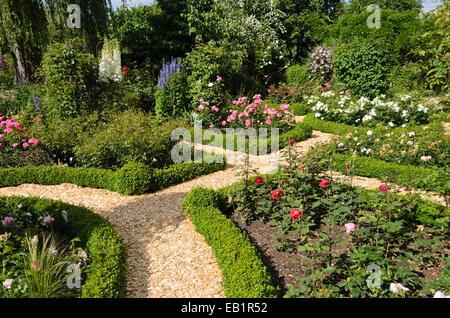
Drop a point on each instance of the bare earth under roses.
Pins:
(165, 255)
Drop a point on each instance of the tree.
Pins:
(399, 5)
(95, 15)
(23, 30)
(307, 24)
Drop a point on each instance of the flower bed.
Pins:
(131, 179)
(345, 109)
(341, 235)
(408, 176)
(43, 243)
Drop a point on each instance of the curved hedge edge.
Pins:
(244, 274)
(408, 176)
(103, 244)
(132, 179)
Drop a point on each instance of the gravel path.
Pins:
(166, 257)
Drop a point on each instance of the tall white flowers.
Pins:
(111, 61)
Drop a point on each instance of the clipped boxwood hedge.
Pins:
(133, 178)
(403, 175)
(103, 244)
(244, 274)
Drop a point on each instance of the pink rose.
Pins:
(248, 123)
(219, 78)
(25, 145)
(14, 145)
(224, 123)
(1, 136)
(200, 108)
(8, 130)
(215, 109)
(269, 121)
(350, 227)
(33, 141)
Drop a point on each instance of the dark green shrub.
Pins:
(69, 81)
(33, 157)
(130, 136)
(404, 79)
(244, 274)
(133, 178)
(362, 67)
(300, 109)
(103, 244)
(297, 75)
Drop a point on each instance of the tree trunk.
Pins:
(23, 71)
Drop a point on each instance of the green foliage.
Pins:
(23, 29)
(133, 178)
(203, 65)
(45, 269)
(404, 78)
(362, 67)
(124, 180)
(330, 127)
(156, 31)
(403, 175)
(244, 274)
(434, 54)
(127, 136)
(173, 101)
(104, 246)
(298, 75)
(400, 5)
(300, 109)
(69, 80)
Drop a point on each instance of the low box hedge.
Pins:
(103, 244)
(132, 179)
(244, 274)
(403, 175)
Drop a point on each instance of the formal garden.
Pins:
(128, 167)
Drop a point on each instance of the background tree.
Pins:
(23, 30)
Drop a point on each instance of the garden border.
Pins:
(132, 179)
(404, 175)
(105, 248)
(244, 273)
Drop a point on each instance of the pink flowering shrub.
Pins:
(17, 148)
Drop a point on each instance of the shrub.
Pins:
(404, 78)
(128, 136)
(244, 274)
(69, 80)
(106, 277)
(171, 94)
(300, 109)
(297, 75)
(203, 65)
(124, 180)
(362, 67)
(133, 178)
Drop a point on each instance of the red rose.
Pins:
(296, 214)
(346, 167)
(277, 194)
(259, 180)
(325, 183)
(125, 70)
(383, 187)
(290, 142)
